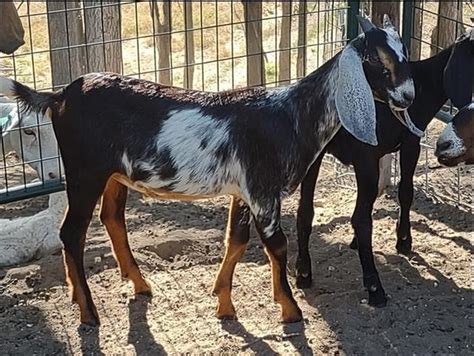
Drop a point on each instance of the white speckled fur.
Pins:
(199, 172)
(457, 147)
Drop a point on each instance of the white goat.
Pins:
(27, 238)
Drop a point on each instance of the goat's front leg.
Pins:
(274, 240)
(367, 178)
(237, 237)
(409, 153)
(112, 215)
(304, 222)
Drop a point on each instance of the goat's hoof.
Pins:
(404, 247)
(143, 289)
(378, 299)
(90, 318)
(226, 312)
(353, 245)
(304, 281)
(90, 322)
(292, 315)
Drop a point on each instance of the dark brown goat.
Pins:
(446, 75)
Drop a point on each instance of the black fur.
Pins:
(433, 79)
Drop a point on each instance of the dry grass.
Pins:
(219, 35)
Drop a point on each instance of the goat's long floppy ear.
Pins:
(459, 75)
(354, 100)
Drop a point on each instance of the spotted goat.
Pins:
(455, 145)
(254, 144)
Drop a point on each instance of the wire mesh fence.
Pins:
(206, 45)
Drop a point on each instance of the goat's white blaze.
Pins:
(199, 171)
(394, 42)
(456, 147)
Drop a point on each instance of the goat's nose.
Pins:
(440, 147)
(409, 97)
(51, 175)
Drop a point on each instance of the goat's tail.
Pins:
(29, 98)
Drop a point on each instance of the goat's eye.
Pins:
(374, 59)
(386, 72)
(29, 132)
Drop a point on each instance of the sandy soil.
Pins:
(179, 246)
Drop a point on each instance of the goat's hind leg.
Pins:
(112, 215)
(73, 235)
(274, 240)
(304, 223)
(237, 237)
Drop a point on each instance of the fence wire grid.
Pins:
(207, 45)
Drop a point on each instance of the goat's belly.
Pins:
(176, 190)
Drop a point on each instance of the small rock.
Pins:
(364, 301)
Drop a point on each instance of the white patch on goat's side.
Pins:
(406, 88)
(471, 106)
(395, 43)
(127, 164)
(198, 170)
(456, 147)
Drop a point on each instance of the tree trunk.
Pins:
(253, 33)
(446, 30)
(301, 59)
(391, 8)
(65, 29)
(189, 55)
(162, 27)
(284, 73)
(415, 46)
(102, 27)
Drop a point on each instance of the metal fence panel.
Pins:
(199, 44)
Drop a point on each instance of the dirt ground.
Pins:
(179, 246)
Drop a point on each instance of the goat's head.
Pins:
(31, 137)
(459, 71)
(373, 65)
(456, 142)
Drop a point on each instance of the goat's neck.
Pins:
(430, 94)
(313, 106)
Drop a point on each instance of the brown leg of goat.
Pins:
(112, 215)
(276, 248)
(237, 237)
(73, 235)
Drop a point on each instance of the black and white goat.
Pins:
(254, 144)
(456, 143)
(446, 75)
